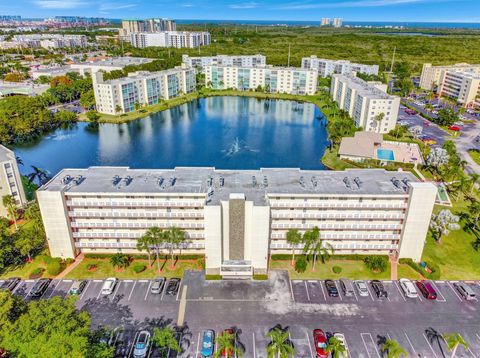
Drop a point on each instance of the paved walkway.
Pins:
(65, 272)
(394, 266)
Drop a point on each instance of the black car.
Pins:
(331, 288)
(173, 285)
(10, 284)
(40, 287)
(379, 289)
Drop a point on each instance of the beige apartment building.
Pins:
(10, 179)
(464, 87)
(365, 101)
(432, 75)
(290, 80)
(236, 218)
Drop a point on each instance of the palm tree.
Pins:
(120, 260)
(336, 347)
(11, 206)
(474, 211)
(226, 344)
(118, 109)
(39, 174)
(280, 345)
(19, 160)
(315, 246)
(173, 237)
(473, 180)
(294, 237)
(143, 244)
(434, 336)
(379, 118)
(154, 236)
(393, 349)
(453, 340)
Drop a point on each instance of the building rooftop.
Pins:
(271, 67)
(218, 184)
(366, 89)
(362, 144)
(144, 74)
(6, 154)
(115, 62)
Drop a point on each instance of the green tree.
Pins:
(301, 264)
(226, 342)
(154, 236)
(93, 116)
(453, 341)
(143, 244)
(164, 338)
(393, 349)
(446, 117)
(376, 263)
(30, 240)
(39, 175)
(10, 205)
(315, 246)
(120, 260)
(11, 308)
(378, 119)
(336, 347)
(280, 345)
(173, 238)
(137, 106)
(118, 109)
(87, 99)
(294, 237)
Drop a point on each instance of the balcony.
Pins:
(133, 214)
(135, 225)
(137, 204)
(328, 205)
(324, 215)
(345, 236)
(336, 226)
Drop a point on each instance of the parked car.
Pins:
(157, 285)
(230, 352)
(341, 338)
(427, 290)
(208, 343)
(410, 112)
(320, 342)
(77, 287)
(362, 288)
(142, 344)
(408, 288)
(454, 128)
(173, 285)
(346, 286)
(379, 289)
(10, 284)
(40, 287)
(331, 288)
(426, 123)
(465, 290)
(109, 285)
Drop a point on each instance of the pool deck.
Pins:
(403, 152)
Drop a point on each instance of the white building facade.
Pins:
(236, 218)
(50, 41)
(366, 102)
(10, 179)
(177, 39)
(271, 79)
(327, 67)
(201, 62)
(141, 88)
(464, 87)
(431, 75)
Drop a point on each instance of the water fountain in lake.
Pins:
(237, 147)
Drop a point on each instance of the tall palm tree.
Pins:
(315, 246)
(39, 174)
(474, 211)
(280, 345)
(473, 180)
(173, 238)
(294, 237)
(454, 340)
(154, 236)
(336, 347)
(143, 244)
(393, 349)
(226, 346)
(379, 118)
(434, 336)
(19, 160)
(9, 203)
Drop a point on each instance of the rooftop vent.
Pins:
(210, 191)
(78, 179)
(397, 183)
(301, 181)
(254, 180)
(314, 181)
(347, 182)
(358, 182)
(265, 180)
(209, 181)
(127, 180)
(66, 179)
(115, 180)
(160, 181)
(222, 181)
(172, 181)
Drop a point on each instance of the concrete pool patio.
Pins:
(369, 145)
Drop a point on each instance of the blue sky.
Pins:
(352, 10)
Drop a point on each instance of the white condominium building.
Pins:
(366, 103)
(10, 179)
(329, 67)
(325, 21)
(141, 88)
(177, 39)
(432, 75)
(464, 87)
(108, 64)
(272, 79)
(337, 22)
(52, 40)
(236, 218)
(224, 60)
(148, 25)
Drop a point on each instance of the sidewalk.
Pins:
(394, 266)
(65, 272)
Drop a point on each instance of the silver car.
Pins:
(142, 344)
(362, 288)
(157, 285)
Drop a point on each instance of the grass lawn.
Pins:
(332, 161)
(355, 270)
(105, 269)
(405, 271)
(475, 154)
(24, 270)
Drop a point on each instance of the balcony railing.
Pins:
(150, 204)
(298, 215)
(293, 204)
(133, 214)
(135, 225)
(336, 226)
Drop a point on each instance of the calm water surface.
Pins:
(224, 132)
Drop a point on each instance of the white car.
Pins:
(408, 288)
(142, 344)
(361, 288)
(341, 338)
(109, 285)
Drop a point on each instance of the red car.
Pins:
(230, 352)
(320, 341)
(454, 128)
(410, 112)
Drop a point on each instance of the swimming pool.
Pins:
(385, 154)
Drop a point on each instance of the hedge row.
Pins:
(434, 275)
(213, 277)
(355, 257)
(145, 257)
(260, 277)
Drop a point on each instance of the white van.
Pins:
(465, 290)
(109, 285)
(347, 287)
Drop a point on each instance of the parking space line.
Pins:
(179, 288)
(254, 347)
(373, 342)
(99, 293)
(30, 290)
(321, 286)
(309, 345)
(454, 291)
(29, 281)
(439, 292)
(198, 345)
(306, 289)
(16, 287)
(133, 287)
(355, 294)
(116, 289)
(426, 339)
(410, 342)
(401, 293)
(85, 290)
(148, 290)
(51, 293)
(163, 290)
(370, 292)
(291, 290)
(338, 290)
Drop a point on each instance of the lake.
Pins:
(223, 132)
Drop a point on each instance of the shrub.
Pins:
(301, 264)
(45, 259)
(69, 261)
(139, 268)
(37, 273)
(281, 257)
(201, 263)
(91, 267)
(213, 277)
(260, 277)
(54, 268)
(336, 269)
(120, 260)
(434, 268)
(376, 263)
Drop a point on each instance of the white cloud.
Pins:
(357, 3)
(60, 4)
(114, 6)
(246, 5)
(187, 5)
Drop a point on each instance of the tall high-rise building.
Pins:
(148, 25)
(10, 179)
(325, 21)
(337, 22)
(178, 39)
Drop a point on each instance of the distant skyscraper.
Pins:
(149, 25)
(325, 21)
(337, 22)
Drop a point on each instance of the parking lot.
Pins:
(253, 308)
